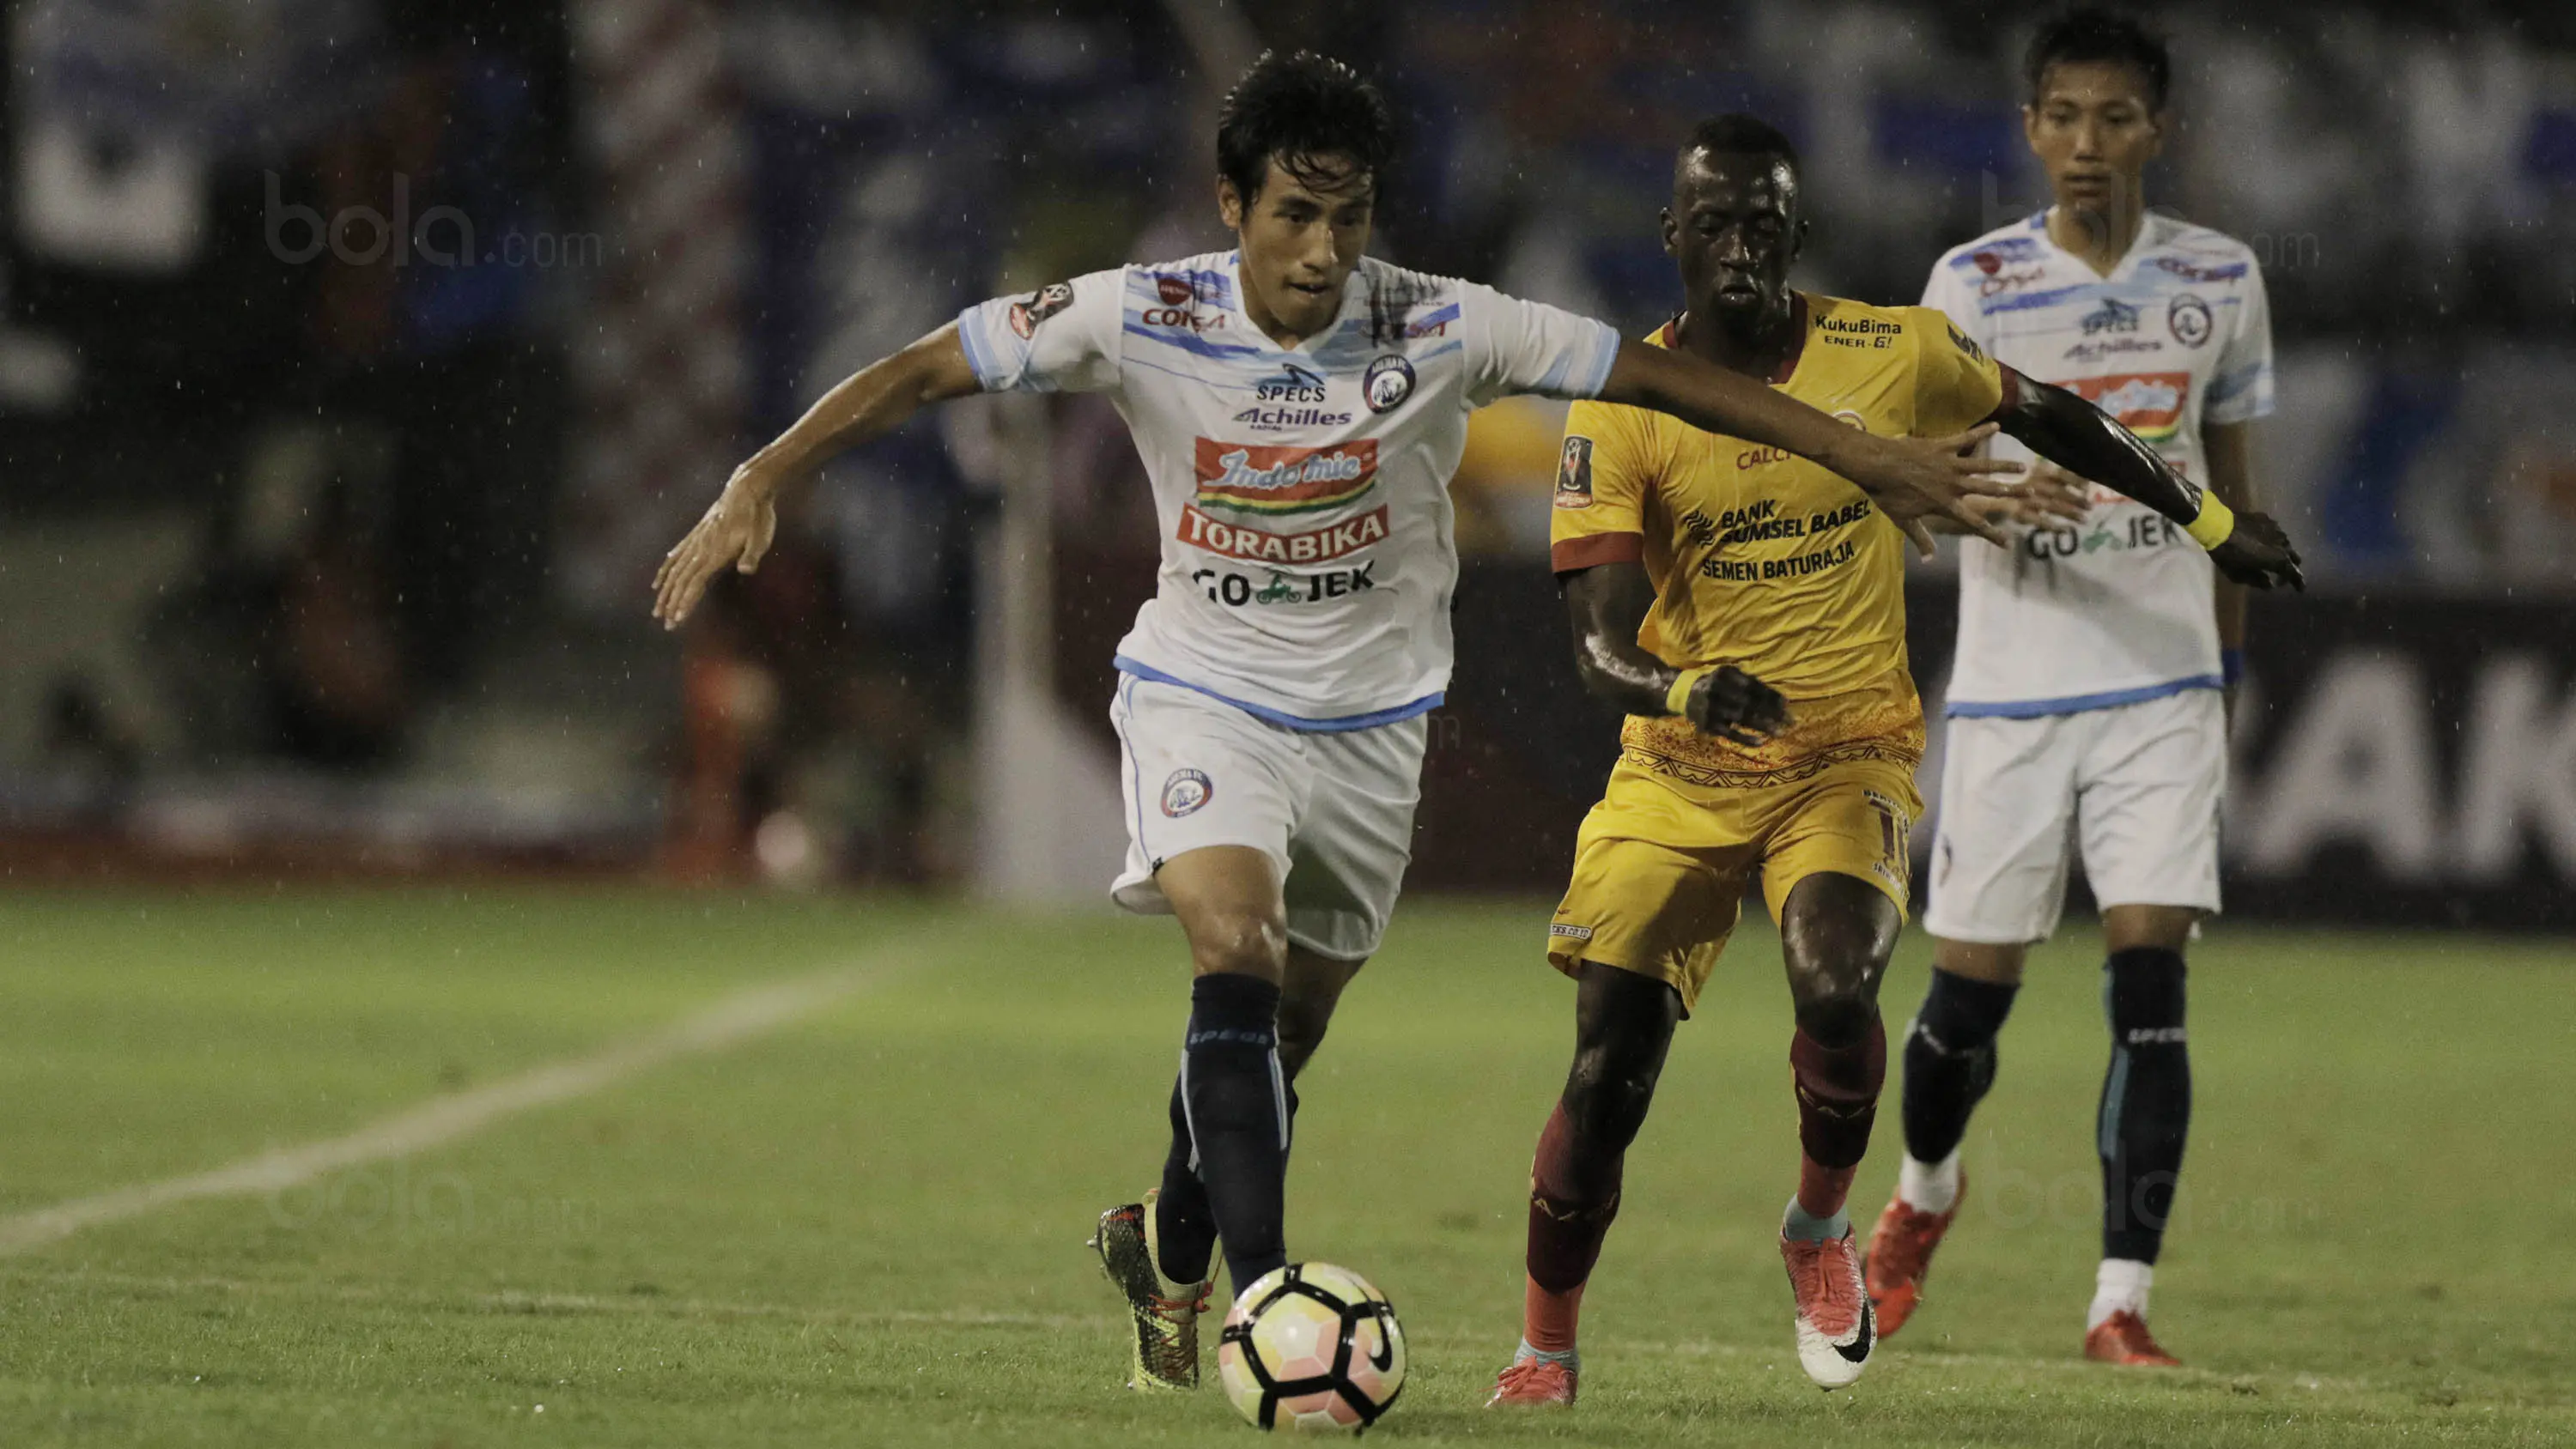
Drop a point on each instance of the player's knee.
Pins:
(1609, 1091)
(1243, 943)
(1961, 1016)
(1835, 995)
(1836, 957)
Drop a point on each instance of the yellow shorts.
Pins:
(1661, 864)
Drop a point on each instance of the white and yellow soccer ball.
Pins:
(1311, 1347)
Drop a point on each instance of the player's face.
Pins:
(2094, 129)
(1733, 229)
(1300, 240)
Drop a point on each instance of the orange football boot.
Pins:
(2123, 1339)
(1836, 1328)
(1900, 1255)
(1533, 1382)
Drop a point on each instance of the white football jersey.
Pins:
(2116, 609)
(1302, 494)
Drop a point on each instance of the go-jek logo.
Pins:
(2148, 404)
(1269, 480)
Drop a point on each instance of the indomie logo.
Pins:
(1268, 479)
(2148, 404)
(1321, 545)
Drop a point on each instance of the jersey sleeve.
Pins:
(1063, 337)
(1604, 473)
(1515, 346)
(1956, 385)
(2240, 388)
(1946, 294)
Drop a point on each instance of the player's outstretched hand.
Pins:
(2258, 554)
(2048, 494)
(735, 532)
(1733, 705)
(1911, 479)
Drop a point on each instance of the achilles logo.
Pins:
(1233, 540)
(1272, 420)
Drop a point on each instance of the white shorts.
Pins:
(2137, 786)
(1332, 810)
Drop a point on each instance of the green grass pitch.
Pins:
(867, 1228)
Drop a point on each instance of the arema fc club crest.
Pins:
(1388, 383)
(1185, 792)
(2187, 317)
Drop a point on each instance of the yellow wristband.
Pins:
(1677, 698)
(2215, 523)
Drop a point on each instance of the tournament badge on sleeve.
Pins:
(1041, 304)
(1574, 474)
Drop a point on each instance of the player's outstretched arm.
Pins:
(737, 528)
(1607, 602)
(2079, 437)
(2048, 495)
(1910, 479)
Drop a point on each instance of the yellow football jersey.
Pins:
(1764, 560)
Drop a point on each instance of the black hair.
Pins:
(2092, 34)
(1309, 112)
(1737, 134)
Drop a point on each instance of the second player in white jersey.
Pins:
(2087, 715)
(2115, 610)
(1301, 493)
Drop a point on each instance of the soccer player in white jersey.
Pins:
(1299, 409)
(2087, 695)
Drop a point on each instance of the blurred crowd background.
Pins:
(358, 358)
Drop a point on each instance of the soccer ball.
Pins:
(1311, 1346)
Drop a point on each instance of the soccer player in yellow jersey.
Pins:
(1747, 608)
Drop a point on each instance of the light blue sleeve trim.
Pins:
(2078, 703)
(2230, 385)
(1338, 725)
(976, 362)
(1606, 343)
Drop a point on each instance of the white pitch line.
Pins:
(730, 1022)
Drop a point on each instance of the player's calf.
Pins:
(1236, 1105)
(1623, 1028)
(1949, 1065)
(1836, 934)
(2144, 1123)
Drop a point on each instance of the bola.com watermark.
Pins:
(395, 1202)
(440, 236)
(2273, 251)
(2014, 1198)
